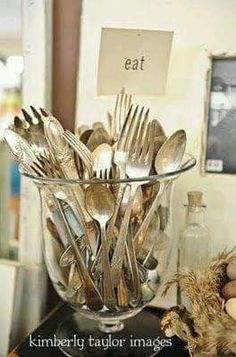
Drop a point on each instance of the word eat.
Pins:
(134, 64)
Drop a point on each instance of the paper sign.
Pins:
(134, 60)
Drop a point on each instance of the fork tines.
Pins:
(131, 126)
(122, 105)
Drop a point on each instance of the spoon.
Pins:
(100, 204)
(168, 159)
(98, 136)
(98, 125)
(159, 131)
(84, 136)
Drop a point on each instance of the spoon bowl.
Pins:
(170, 155)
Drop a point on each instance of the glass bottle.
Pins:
(195, 236)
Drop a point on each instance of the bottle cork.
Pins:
(195, 198)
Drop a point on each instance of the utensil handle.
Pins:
(108, 290)
(136, 281)
(71, 193)
(93, 298)
(112, 223)
(70, 171)
(123, 295)
(118, 255)
(144, 226)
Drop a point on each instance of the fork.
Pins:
(138, 165)
(102, 161)
(122, 105)
(83, 152)
(31, 128)
(122, 148)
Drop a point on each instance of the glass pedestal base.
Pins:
(141, 336)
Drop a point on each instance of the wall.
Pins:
(10, 27)
(197, 25)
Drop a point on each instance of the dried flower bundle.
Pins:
(210, 330)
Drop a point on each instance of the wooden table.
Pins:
(48, 327)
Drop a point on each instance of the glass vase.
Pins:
(106, 253)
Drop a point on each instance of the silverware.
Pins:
(97, 125)
(170, 156)
(23, 153)
(93, 297)
(67, 257)
(168, 159)
(98, 136)
(54, 245)
(76, 222)
(145, 255)
(123, 294)
(102, 161)
(137, 207)
(121, 150)
(159, 131)
(117, 259)
(81, 150)
(84, 135)
(74, 281)
(100, 205)
(31, 128)
(138, 165)
(60, 148)
(79, 130)
(122, 105)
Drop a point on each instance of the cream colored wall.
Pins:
(197, 25)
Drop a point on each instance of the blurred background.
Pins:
(11, 71)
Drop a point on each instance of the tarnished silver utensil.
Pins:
(23, 152)
(145, 255)
(138, 165)
(81, 150)
(100, 205)
(102, 161)
(93, 297)
(98, 136)
(168, 159)
(59, 146)
(116, 119)
(31, 128)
